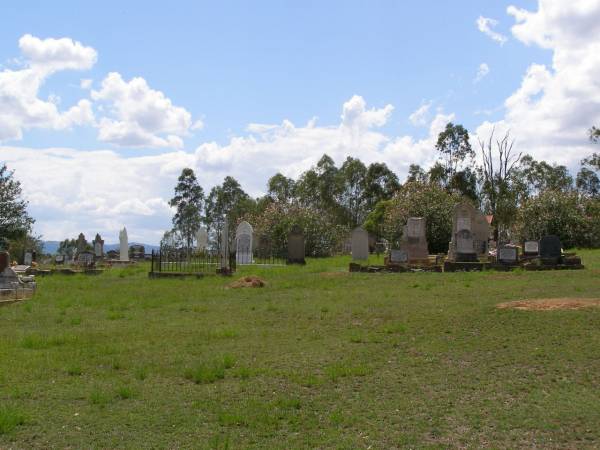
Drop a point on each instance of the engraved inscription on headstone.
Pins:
(463, 223)
(464, 242)
(398, 256)
(531, 248)
(507, 255)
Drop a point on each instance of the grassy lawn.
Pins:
(318, 358)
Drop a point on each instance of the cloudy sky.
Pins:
(102, 106)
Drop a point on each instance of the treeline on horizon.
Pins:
(527, 198)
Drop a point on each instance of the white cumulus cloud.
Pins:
(21, 108)
(554, 106)
(74, 191)
(486, 26)
(139, 115)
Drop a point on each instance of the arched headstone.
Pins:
(243, 243)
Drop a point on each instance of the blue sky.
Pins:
(233, 63)
(363, 69)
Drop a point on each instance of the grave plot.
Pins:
(14, 284)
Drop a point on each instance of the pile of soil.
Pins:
(546, 304)
(249, 281)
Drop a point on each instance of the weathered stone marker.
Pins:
(243, 243)
(296, 246)
(414, 240)
(360, 244)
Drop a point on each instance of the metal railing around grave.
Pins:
(179, 261)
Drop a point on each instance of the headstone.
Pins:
(28, 259)
(123, 245)
(81, 243)
(137, 251)
(202, 239)
(531, 248)
(59, 259)
(414, 240)
(508, 255)
(470, 232)
(243, 243)
(224, 250)
(85, 258)
(4, 260)
(9, 278)
(398, 256)
(296, 246)
(112, 254)
(550, 249)
(98, 246)
(360, 244)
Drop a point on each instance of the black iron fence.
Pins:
(176, 261)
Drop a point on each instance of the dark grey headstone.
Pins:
(398, 256)
(508, 255)
(296, 246)
(550, 247)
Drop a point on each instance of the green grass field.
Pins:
(319, 358)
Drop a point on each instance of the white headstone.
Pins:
(28, 258)
(98, 249)
(531, 247)
(202, 239)
(360, 244)
(123, 245)
(243, 243)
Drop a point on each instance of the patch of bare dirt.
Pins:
(545, 304)
(248, 282)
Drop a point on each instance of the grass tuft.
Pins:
(206, 373)
(74, 371)
(10, 418)
(125, 392)
(99, 398)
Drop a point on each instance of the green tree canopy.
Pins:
(15, 222)
(188, 201)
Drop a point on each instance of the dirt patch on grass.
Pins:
(545, 304)
(248, 282)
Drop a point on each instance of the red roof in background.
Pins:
(489, 218)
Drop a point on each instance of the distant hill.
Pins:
(52, 246)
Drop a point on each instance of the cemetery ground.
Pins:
(318, 357)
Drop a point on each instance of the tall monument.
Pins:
(123, 245)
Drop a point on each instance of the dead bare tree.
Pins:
(499, 163)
